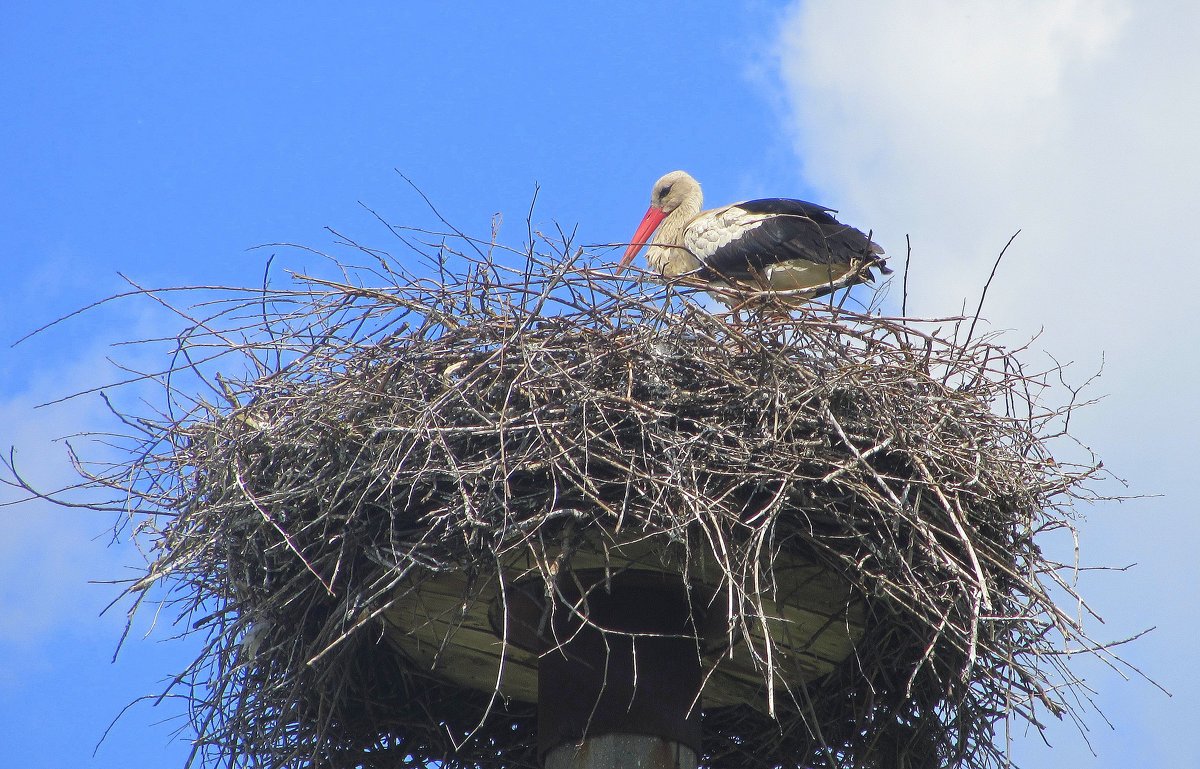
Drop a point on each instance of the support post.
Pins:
(620, 690)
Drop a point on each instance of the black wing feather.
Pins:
(797, 230)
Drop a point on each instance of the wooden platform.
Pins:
(483, 632)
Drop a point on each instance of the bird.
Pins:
(771, 244)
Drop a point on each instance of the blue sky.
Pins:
(164, 144)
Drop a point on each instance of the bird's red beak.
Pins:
(654, 216)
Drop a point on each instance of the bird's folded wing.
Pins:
(746, 240)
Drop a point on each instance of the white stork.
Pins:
(772, 244)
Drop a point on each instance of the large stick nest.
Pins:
(383, 438)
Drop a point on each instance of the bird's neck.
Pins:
(665, 254)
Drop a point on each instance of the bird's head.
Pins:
(672, 189)
(669, 193)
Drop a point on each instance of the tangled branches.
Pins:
(349, 520)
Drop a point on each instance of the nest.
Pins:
(383, 439)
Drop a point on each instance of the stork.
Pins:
(773, 244)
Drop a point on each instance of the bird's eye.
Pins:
(664, 192)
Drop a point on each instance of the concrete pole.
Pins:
(610, 751)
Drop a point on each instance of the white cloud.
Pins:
(48, 553)
(959, 123)
(1074, 121)
(970, 73)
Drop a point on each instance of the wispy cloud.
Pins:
(49, 553)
